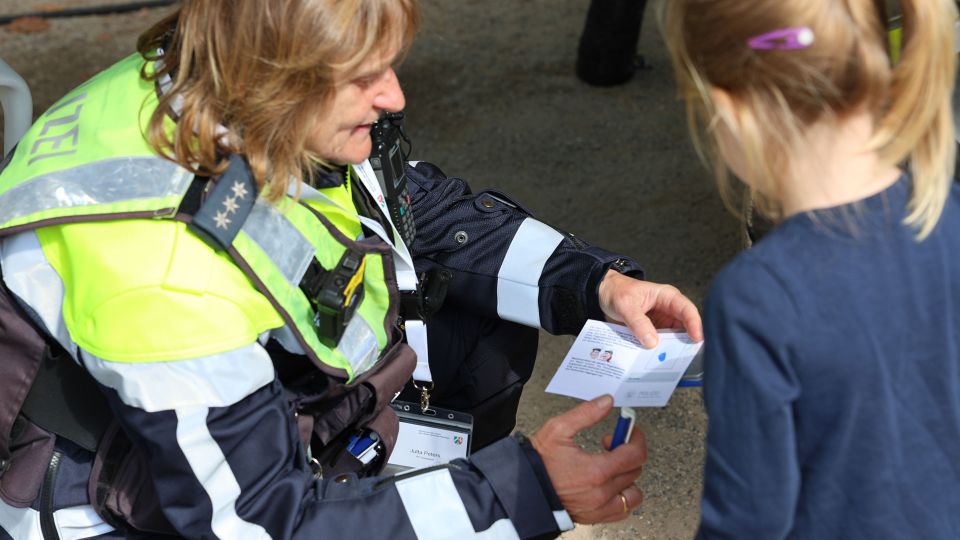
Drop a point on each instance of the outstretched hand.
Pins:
(590, 486)
(645, 306)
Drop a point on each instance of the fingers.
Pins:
(643, 328)
(630, 300)
(682, 309)
(623, 481)
(626, 457)
(625, 299)
(607, 485)
(595, 503)
(586, 482)
(615, 508)
(645, 306)
(606, 445)
(584, 415)
(613, 487)
(670, 309)
(632, 498)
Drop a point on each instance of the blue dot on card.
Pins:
(662, 356)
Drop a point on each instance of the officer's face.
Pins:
(342, 135)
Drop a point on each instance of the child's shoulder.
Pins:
(789, 255)
(771, 260)
(751, 302)
(756, 280)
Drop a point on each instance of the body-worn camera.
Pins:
(387, 160)
(334, 295)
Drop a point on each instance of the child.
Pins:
(832, 367)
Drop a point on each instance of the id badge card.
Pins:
(428, 439)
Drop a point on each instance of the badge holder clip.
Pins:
(425, 388)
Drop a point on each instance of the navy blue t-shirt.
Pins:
(832, 379)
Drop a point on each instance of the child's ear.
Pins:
(727, 108)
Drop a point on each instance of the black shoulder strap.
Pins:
(42, 383)
(64, 399)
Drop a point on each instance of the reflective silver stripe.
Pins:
(358, 344)
(286, 338)
(289, 250)
(79, 522)
(517, 282)
(210, 466)
(33, 280)
(218, 380)
(956, 36)
(501, 529)
(72, 523)
(564, 523)
(442, 515)
(20, 523)
(101, 182)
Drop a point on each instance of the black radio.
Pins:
(387, 160)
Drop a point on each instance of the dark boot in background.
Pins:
(607, 55)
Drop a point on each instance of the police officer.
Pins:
(198, 234)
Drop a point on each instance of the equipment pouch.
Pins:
(121, 489)
(362, 405)
(25, 449)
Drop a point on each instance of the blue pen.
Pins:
(621, 434)
(368, 455)
(362, 443)
(352, 440)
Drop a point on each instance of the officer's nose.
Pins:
(389, 95)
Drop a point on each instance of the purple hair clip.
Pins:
(798, 37)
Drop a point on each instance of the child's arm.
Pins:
(752, 474)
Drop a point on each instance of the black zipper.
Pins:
(48, 527)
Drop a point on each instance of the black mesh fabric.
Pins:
(470, 234)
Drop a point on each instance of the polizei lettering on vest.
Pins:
(55, 141)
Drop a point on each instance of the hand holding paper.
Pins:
(644, 306)
(606, 358)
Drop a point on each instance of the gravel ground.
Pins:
(492, 97)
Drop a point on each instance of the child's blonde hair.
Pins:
(847, 69)
(265, 70)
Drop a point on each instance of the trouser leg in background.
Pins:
(607, 54)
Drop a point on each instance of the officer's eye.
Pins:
(367, 80)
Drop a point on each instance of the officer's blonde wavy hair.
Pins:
(847, 69)
(265, 70)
